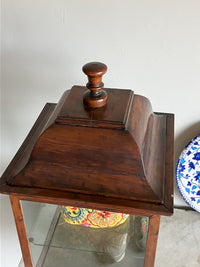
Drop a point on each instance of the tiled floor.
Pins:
(179, 240)
(72, 245)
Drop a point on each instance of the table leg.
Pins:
(152, 237)
(21, 230)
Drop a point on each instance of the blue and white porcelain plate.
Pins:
(188, 173)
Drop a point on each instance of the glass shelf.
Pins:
(54, 242)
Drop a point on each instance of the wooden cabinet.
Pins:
(98, 148)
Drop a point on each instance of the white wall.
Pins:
(150, 46)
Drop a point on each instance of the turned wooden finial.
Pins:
(95, 97)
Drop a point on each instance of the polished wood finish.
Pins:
(111, 116)
(64, 197)
(95, 97)
(101, 177)
(152, 238)
(76, 164)
(168, 184)
(67, 158)
(21, 230)
(117, 157)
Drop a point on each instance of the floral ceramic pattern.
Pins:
(188, 174)
(92, 218)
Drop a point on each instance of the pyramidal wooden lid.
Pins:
(103, 145)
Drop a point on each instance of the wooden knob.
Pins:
(95, 97)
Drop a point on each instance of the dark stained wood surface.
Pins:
(98, 161)
(60, 197)
(95, 97)
(168, 184)
(120, 151)
(79, 165)
(114, 116)
(118, 158)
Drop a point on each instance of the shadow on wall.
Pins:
(181, 141)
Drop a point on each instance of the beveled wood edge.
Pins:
(169, 164)
(89, 123)
(168, 180)
(87, 201)
(82, 200)
(60, 119)
(128, 110)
